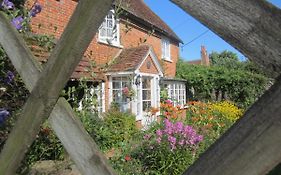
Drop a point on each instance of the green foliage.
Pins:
(113, 130)
(240, 86)
(118, 128)
(124, 163)
(225, 59)
(46, 147)
(44, 41)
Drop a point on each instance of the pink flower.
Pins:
(128, 158)
(158, 140)
(181, 143)
(159, 133)
(147, 136)
(169, 101)
(172, 140)
(178, 127)
(125, 90)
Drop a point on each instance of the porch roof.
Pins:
(129, 59)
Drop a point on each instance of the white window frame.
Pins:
(166, 49)
(177, 93)
(149, 89)
(120, 89)
(100, 93)
(145, 116)
(109, 32)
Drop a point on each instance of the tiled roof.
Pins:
(129, 59)
(140, 10)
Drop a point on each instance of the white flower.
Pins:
(3, 89)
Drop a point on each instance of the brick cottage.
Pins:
(134, 53)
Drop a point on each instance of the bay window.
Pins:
(177, 92)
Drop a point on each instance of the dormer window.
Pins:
(109, 30)
(166, 55)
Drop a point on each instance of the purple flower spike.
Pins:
(35, 10)
(147, 136)
(17, 22)
(159, 133)
(9, 77)
(3, 115)
(6, 4)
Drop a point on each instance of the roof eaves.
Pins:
(150, 25)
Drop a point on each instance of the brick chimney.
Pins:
(204, 57)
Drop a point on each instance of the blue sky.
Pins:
(188, 28)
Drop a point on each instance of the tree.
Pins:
(225, 59)
(227, 78)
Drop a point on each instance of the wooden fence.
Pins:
(250, 147)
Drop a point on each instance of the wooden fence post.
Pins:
(252, 145)
(251, 26)
(74, 43)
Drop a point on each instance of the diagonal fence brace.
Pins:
(72, 46)
(252, 145)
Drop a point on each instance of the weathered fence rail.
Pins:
(74, 42)
(251, 26)
(252, 145)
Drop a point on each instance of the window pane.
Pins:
(146, 95)
(116, 95)
(146, 83)
(126, 84)
(109, 29)
(146, 105)
(116, 85)
(110, 24)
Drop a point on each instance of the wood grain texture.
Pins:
(29, 70)
(252, 145)
(251, 26)
(71, 133)
(79, 33)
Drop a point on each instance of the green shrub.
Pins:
(124, 163)
(238, 85)
(45, 147)
(112, 130)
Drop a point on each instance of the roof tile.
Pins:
(129, 59)
(139, 9)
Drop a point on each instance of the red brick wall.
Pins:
(55, 16)
(137, 35)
